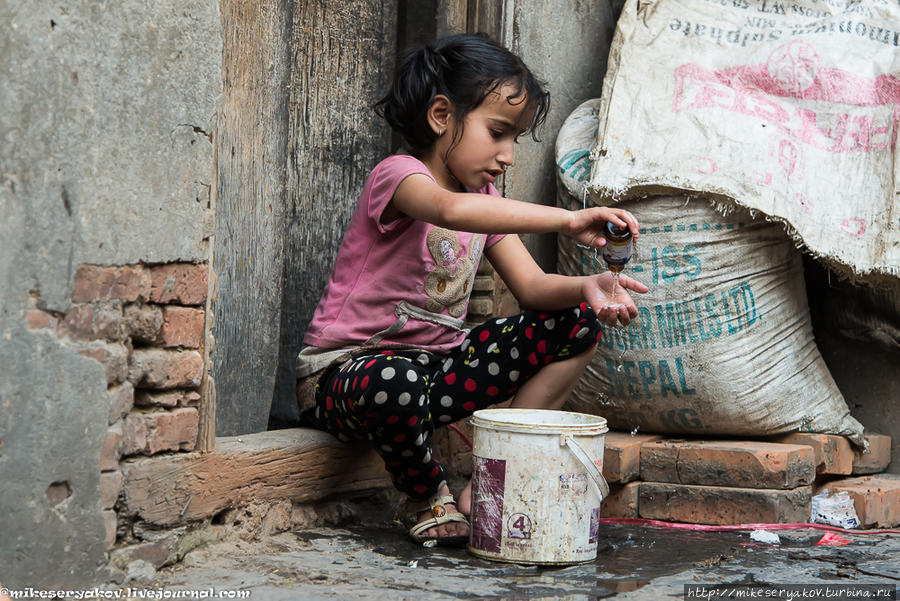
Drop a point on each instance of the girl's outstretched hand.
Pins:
(598, 292)
(586, 226)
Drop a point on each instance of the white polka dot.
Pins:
(421, 400)
(581, 333)
(493, 369)
(465, 344)
(448, 364)
(445, 418)
(423, 359)
(513, 376)
(361, 402)
(501, 320)
(427, 457)
(521, 317)
(492, 347)
(550, 324)
(514, 353)
(386, 448)
(420, 440)
(404, 398)
(407, 453)
(387, 373)
(381, 397)
(346, 384)
(317, 413)
(446, 401)
(473, 363)
(411, 375)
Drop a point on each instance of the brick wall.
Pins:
(145, 324)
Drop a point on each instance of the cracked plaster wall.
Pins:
(105, 157)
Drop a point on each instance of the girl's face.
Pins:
(488, 140)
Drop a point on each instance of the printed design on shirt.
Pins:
(449, 284)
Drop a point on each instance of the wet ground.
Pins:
(633, 562)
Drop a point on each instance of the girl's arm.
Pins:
(419, 197)
(535, 289)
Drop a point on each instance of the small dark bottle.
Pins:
(617, 250)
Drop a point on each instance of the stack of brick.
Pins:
(746, 481)
(145, 325)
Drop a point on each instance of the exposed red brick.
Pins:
(737, 463)
(182, 326)
(167, 398)
(40, 320)
(723, 504)
(143, 322)
(180, 283)
(150, 433)
(622, 455)
(113, 356)
(878, 457)
(110, 487)
(121, 400)
(111, 522)
(833, 454)
(622, 501)
(99, 283)
(110, 452)
(164, 369)
(79, 321)
(876, 498)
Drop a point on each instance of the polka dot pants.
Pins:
(396, 398)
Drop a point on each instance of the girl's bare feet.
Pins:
(464, 500)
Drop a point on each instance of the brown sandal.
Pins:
(408, 519)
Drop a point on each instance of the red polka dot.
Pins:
(548, 359)
(435, 471)
(370, 363)
(387, 352)
(493, 391)
(543, 315)
(542, 346)
(393, 419)
(574, 331)
(413, 421)
(583, 306)
(365, 383)
(529, 332)
(420, 488)
(470, 385)
(413, 472)
(532, 358)
(484, 335)
(450, 378)
(353, 386)
(339, 423)
(468, 405)
(400, 438)
(329, 403)
(599, 335)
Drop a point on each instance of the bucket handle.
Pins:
(585, 460)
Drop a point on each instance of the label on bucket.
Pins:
(573, 484)
(488, 485)
(595, 526)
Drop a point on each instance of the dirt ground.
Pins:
(377, 562)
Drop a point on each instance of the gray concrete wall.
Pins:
(566, 45)
(105, 157)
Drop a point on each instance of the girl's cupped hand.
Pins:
(612, 303)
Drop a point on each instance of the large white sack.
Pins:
(791, 108)
(723, 342)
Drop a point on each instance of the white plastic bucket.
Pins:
(536, 485)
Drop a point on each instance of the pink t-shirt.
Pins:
(405, 282)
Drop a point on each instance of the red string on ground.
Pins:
(736, 527)
(461, 435)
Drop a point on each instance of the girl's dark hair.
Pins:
(465, 68)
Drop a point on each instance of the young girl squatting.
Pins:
(386, 344)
